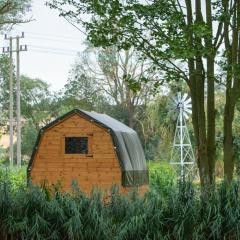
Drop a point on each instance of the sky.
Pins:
(52, 45)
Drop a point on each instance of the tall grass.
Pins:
(181, 213)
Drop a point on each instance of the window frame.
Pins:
(76, 145)
(90, 143)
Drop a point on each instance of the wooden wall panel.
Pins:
(101, 169)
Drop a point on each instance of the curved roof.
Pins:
(110, 122)
(126, 141)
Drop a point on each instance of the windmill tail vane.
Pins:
(182, 151)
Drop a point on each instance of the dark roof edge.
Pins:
(59, 119)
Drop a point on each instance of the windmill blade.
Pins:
(188, 110)
(183, 102)
(184, 97)
(185, 115)
(189, 106)
(188, 101)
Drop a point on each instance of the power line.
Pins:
(52, 48)
(54, 36)
(58, 53)
(55, 40)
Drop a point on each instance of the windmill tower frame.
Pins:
(182, 151)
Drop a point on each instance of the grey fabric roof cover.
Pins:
(127, 140)
(129, 150)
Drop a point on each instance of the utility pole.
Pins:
(19, 152)
(10, 50)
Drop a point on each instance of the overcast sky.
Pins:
(52, 45)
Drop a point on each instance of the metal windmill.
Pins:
(182, 152)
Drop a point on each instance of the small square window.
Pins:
(76, 145)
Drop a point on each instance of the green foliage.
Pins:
(3, 155)
(158, 123)
(180, 213)
(36, 101)
(157, 129)
(16, 176)
(29, 136)
(13, 12)
(162, 176)
(4, 92)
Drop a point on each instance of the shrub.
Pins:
(179, 213)
(161, 176)
(16, 176)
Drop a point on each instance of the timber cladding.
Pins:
(76, 148)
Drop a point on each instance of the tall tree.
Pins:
(36, 101)
(232, 68)
(109, 72)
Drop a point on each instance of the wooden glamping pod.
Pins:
(91, 148)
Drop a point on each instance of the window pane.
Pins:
(76, 145)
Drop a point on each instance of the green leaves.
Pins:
(132, 83)
(13, 12)
(177, 212)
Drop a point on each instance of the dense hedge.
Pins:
(182, 213)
